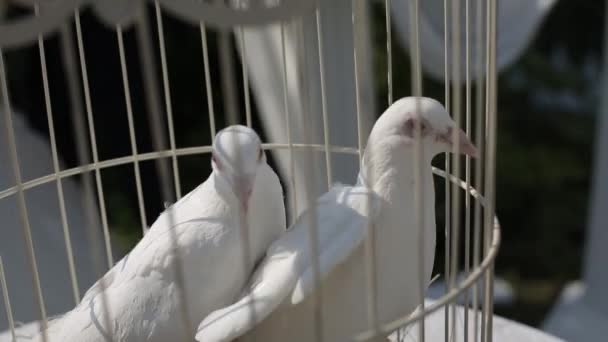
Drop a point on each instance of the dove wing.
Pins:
(342, 220)
(348, 212)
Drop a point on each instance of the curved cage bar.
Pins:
(295, 34)
(458, 290)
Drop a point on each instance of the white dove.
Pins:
(342, 221)
(142, 289)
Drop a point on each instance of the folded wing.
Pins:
(342, 219)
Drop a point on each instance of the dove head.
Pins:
(398, 126)
(237, 155)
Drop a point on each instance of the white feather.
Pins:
(142, 288)
(342, 224)
(343, 221)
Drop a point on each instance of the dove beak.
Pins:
(465, 146)
(244, 188)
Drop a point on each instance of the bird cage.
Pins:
(305, 152)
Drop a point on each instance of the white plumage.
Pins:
(388, 173)
(142, 288)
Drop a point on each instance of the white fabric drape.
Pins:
(44, 215)
(518, 21)
(264, 59)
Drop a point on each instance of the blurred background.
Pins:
(548, 106)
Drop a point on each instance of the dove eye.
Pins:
(216, 161)
(410, 126)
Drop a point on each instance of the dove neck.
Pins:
(391, 169)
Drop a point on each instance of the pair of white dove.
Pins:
(278, 301)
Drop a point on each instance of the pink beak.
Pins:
(465, 146)
(244, 188)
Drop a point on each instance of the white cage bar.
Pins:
(287, 16)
